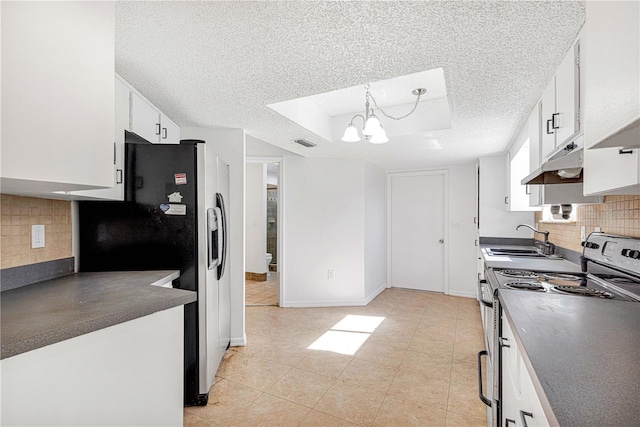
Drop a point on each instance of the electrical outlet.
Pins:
(37, 236)
(583, 233)
(330, 274)
(597, 229)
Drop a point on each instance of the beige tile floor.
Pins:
(262, 293)
(335, 367)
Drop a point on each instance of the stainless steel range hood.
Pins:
(565, 167)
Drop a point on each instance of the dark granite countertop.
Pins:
(48, 312)
(525, 263)
(582, 354)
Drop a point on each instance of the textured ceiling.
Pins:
(221, 63)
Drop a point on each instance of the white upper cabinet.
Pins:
(566, 122)
(612, 95)
(560, 104)
(57, 96)
(611, 171)
(148, 122)
(494, 216)
(534, 153)
(145, 119)
(612, 74)
(135, 114)
(116, 191)
(169, 131)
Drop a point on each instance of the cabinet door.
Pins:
(612, 70)
(530, 403)
(495, 218)
(145, 119)
(566, 122)
(169, 132)
(511, 394)
(534, 152)
(57, 106)
(548, 108)
(116, 191)
(610, 171)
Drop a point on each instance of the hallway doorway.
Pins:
(263, 231)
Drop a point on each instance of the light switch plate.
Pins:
(37, 236)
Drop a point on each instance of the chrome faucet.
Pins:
(546, 248)
(546, 233)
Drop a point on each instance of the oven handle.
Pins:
(480, 394)
(482, 301)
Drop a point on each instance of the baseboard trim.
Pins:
(375, 294)
(307, 304)
(463, 294)
(258, 277)
(239, 341)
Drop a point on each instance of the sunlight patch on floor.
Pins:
(348, 335)
(355, 323)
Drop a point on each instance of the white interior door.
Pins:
(416, 223)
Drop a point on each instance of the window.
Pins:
(519, 169)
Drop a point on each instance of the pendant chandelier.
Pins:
(373, 130)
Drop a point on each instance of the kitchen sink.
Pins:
(531, 253)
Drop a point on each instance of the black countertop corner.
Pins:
(582, 354)
(48, 312)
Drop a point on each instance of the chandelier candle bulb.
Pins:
(373, 131)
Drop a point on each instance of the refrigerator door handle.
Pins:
(212, 238)
(222, 248)
(219, 240)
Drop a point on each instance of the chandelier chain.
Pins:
(391, 117)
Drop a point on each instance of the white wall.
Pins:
(375, 264)
(256, 214)
(230, 146)
(324, 211)
(462, 230)
(258, 148)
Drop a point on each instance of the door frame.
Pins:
(445, 190)
(281, 219)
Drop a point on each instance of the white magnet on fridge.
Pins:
(175, 197)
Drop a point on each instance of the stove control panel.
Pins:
(614, 251)
(629, 253)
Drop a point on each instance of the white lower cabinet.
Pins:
(130, 374)
(520, 404)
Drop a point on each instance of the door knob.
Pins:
(441, 241)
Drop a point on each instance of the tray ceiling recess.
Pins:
(328, 114)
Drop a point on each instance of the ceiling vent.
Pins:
(305, 143)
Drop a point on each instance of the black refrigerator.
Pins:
(173, 218)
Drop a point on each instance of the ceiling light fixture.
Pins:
(373, 131)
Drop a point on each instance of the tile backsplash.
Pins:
(617, 215)
(18, 215)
